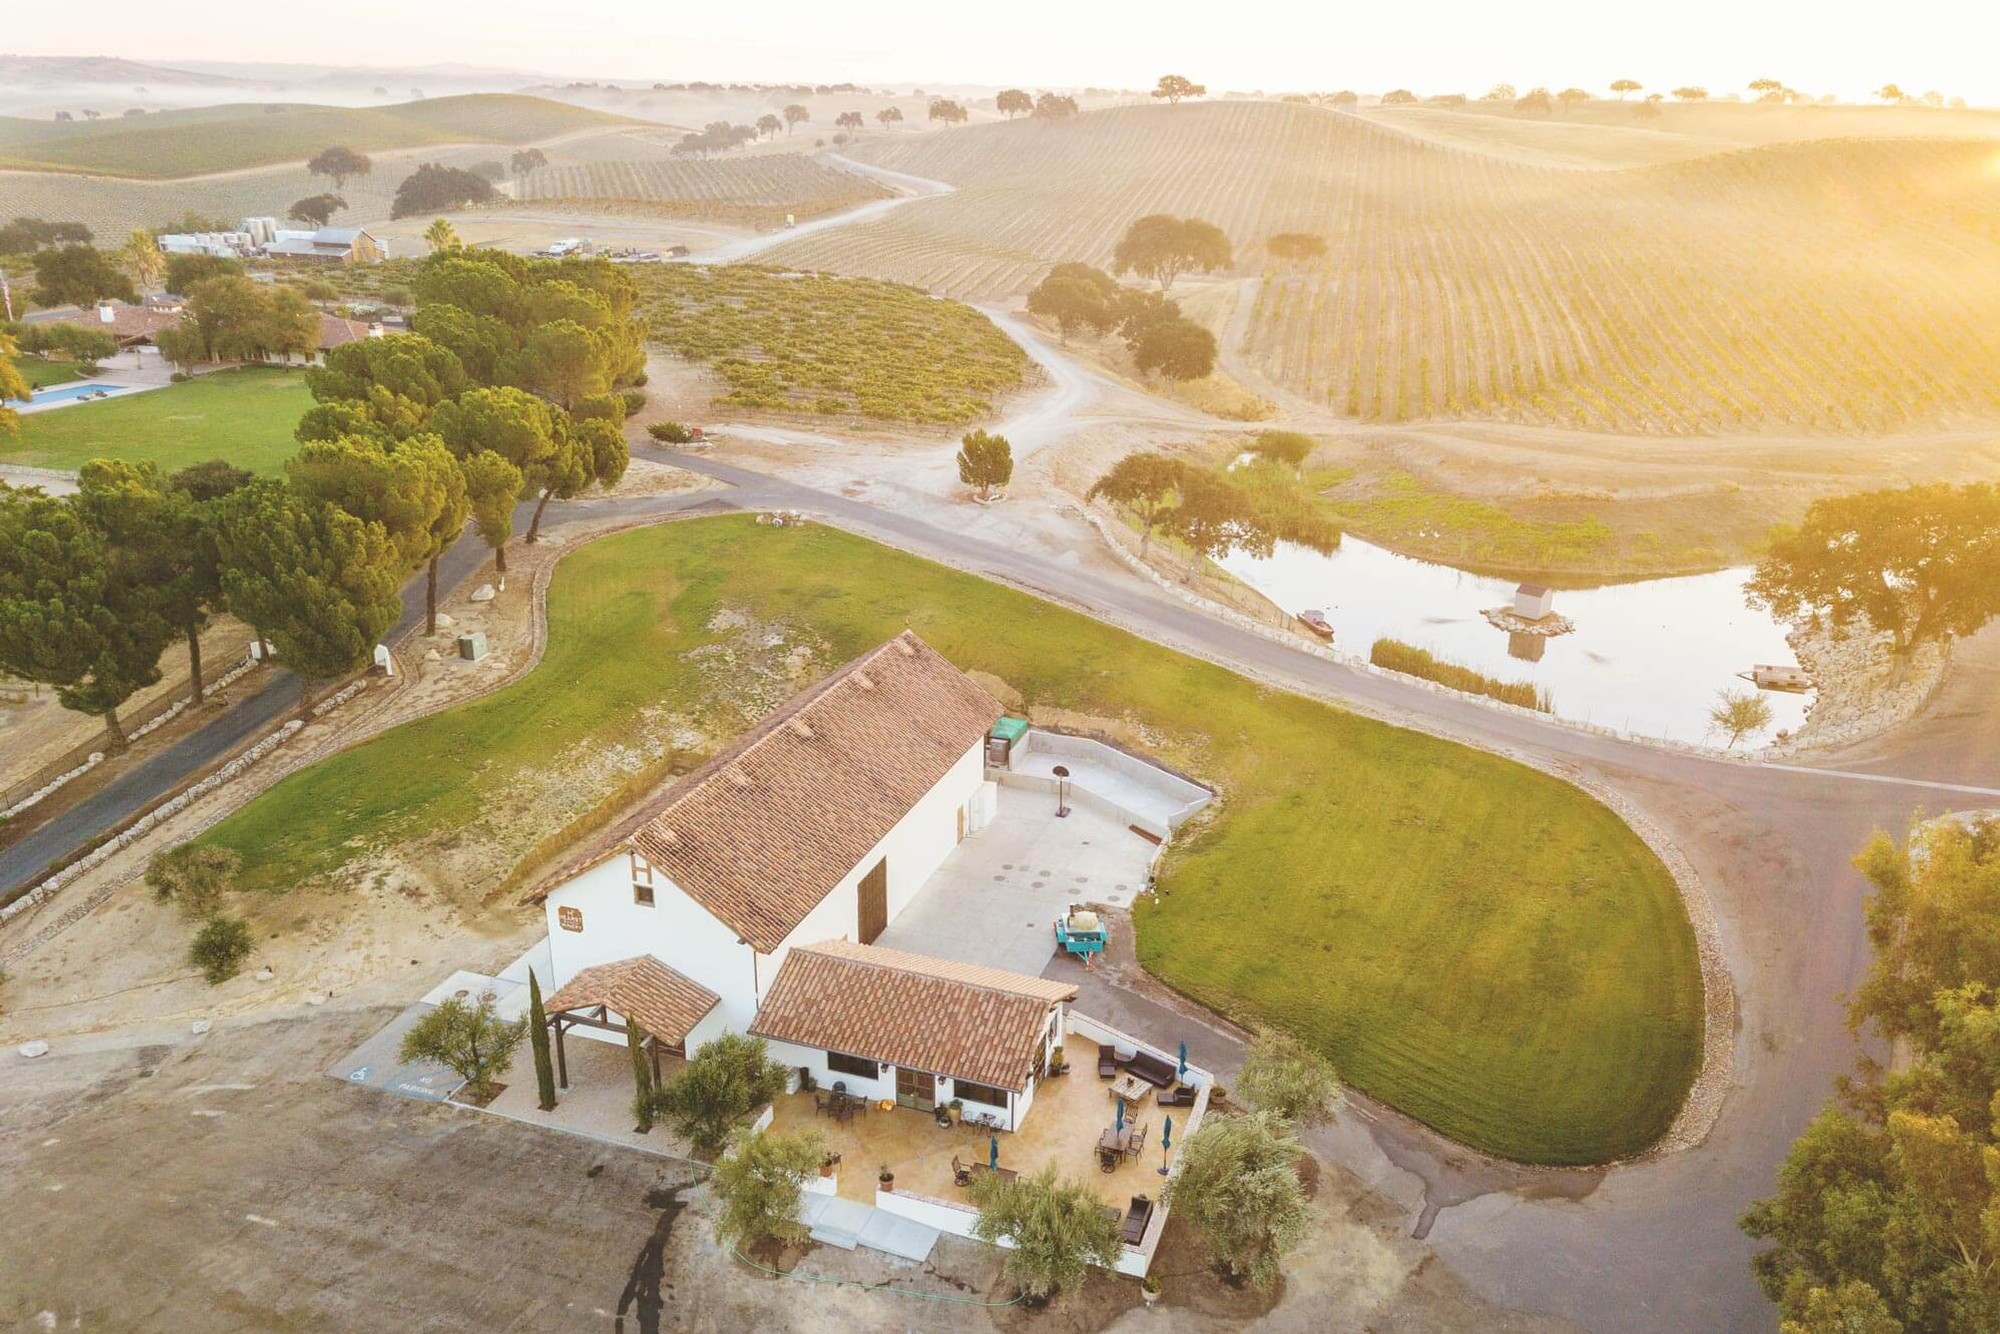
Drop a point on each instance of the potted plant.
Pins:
(1057, 1065)
(1149, 1290)
(807, 1083)
(885, 1178)
(829, 1164)
(958, 1110)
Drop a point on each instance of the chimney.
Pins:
(801, 730)
(106, 313)
(862, 679)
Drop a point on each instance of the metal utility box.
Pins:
(1001, 740)
(472, 647)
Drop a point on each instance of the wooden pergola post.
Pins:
(562, 1061)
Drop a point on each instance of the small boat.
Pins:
(1766, 676)
(1316, 622)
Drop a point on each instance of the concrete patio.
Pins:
(996, 897)
(598, 1104)
(1062, 1127)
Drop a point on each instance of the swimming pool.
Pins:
(64, 393)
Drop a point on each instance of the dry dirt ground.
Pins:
(155, 1180)
(37, 730)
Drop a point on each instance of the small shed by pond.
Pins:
(1534, 602)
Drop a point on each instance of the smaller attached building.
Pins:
(917, 1030)
(674, 1011)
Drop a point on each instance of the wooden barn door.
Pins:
(874, 895)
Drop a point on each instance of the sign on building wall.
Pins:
(569, 919)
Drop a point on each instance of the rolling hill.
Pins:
(207, 140)
(1839, 286)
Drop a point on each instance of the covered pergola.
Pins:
(640, 991)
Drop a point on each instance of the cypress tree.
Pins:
(642, 1077)
(538, 1036)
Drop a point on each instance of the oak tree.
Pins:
(1162, 247)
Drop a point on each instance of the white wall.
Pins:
(915, 848)
(675, 930)
(792, 1057)
(687, 938)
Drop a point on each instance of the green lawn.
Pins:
(1474, 942)
(39, 373)
(244, 416)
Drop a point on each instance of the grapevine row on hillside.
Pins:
(1837, 287)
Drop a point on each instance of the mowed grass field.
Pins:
(1842, 286)
(200, 140)
(244, 416)
(1478, 944)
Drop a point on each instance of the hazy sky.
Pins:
(1437, 46)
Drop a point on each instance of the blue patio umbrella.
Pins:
(993, 1152)
(1121, 1115)
(1180, 1072)
(1166, 1142)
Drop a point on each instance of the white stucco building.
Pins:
(819, 825)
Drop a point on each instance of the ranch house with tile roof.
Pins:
(818, 825)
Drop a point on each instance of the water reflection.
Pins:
(1647, 657)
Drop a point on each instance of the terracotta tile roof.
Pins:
(127, 322)
(762, 832)
(334, 330)
(949, 1018)
(662, 1001)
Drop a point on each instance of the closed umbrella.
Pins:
(993, 1152)
(1120, 1124)
(1166, 1142)
(1180, 1071)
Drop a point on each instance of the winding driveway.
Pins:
(1649, 1246)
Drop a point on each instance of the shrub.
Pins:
(179, 377)
(195, 876)
(759, 1186)
(473, 1042)
(1283, 1076)
(1239, 1186)
(400, 297)
(1057, 1226)
(635, 399)
(723, 1082)
(220, 948)
(1291, 448)
(1395, 656)
(670, 433)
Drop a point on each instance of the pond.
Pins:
(1649, 657)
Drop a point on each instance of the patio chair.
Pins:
(1133, 1149)
(1182, 1096)
(961, 1175)
(821, 1105)
(1107, 1163)
(1107, 1063)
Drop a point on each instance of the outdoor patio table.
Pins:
(1114, 1141)
(1131, 1088)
